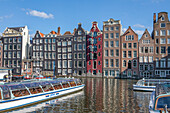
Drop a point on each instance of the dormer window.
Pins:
(162, 18)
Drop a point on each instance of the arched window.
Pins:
(129, 64)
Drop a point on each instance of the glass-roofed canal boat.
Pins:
(20, 94)
(160, 99)
(148, 84)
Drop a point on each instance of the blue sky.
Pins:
(47, 15)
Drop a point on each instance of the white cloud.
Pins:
(139, 26)
(139, 32)
(5, 17)
(39, 14)
(32, 35)
(124, 29)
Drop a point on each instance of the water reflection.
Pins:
(99, 95)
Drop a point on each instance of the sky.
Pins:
(48, 15)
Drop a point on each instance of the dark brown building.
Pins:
(129, 54)
(146, 53)
(111, 47)
(161, 34)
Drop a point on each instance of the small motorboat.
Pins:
(160, 99)
(20, 94)
(149, 84)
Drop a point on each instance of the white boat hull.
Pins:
(31, 99)
(144, 88)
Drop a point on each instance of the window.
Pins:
(163, 33)
(134, 54)
(157, 50)
(106, 62)
(79, 32)
(111, 63)
(84, 46)
(168, 49)
(124, 63)
(79, 46)
(117, 28)
(64, 43)
(124, 54)
(157, 33)
(10, 40)
(111, 52)
(117, 62)
(69, 42)
(168, 40)
(111, 35)
(129, 54)
(59, 43)
(134, 63)
(79, 55)
(163, 49)
(75, 47)
(111, 44)
(117, 35)
(146, 49)
(162, 18)
(64, 56)
(106, 28)
(65, 64)
(151, 49)
(124, 45)
(80, 64)
(168, 32)
(157, 62)
(106, 36)
(150, 58)
(129, 45)
(146, 67)
(163, 25)
(163, 41)
(111, 28)
(117, 43)
(117, 52)
(106, 72)
(134, 45)
(129, 37)
(75, 38)
(79, 39)
(141, 67)
(106, 44)
(168, 62)
(163, 63)
(106, 53)
(5, 47)
(145, 59)
(141, 59)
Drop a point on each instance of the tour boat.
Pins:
(149, 84)
(20, 94)
(160, 99)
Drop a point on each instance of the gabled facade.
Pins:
(79, 52)
(146, 54)
(161, 34)
(1, 53)
(111, 47)
(129, 54)
(15, 47)
(94, 51)
(44, 53)
(64, 54)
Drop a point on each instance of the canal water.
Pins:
(99, 95)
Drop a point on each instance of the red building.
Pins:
(94, 51)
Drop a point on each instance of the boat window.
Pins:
(72, 83)
(78, 81)
(33, 90)
(6, 92)
(22, 92)
(54, 82)
(16, 86)
(31, 85)
(57, 86)
(163, 101)
(65, 85)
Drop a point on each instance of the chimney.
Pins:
(154, 18)
(58, 31)
(74, 30)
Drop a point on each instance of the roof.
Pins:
(162, 89)
(53, 32)
(67, 33)
(127, 31)
(16, 28)
(42, 35)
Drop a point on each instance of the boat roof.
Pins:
(162, 89)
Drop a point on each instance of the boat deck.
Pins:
(162, 89)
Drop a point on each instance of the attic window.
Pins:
(146, 35)
(162, 18)
(79, 32)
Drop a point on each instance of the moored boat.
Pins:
(149, 84)
(160, 99)
(20, 94)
